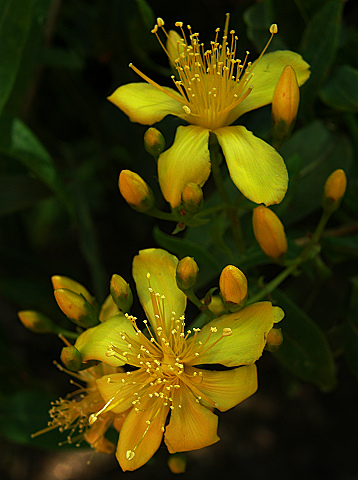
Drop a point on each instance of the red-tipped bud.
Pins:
(274, 339)
(269, 232)
(135, 191)
(186, 273)
(233, 286)
(177, 463)
(60, 281)
(335, 186)
(154, 142)
(192, 198)
(76, 308)
(121, 293)
(37, 322)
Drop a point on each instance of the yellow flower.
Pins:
(214, 88)
(71, 413)
(163, 365)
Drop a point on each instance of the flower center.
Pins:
(210, 82)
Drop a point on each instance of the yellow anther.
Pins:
(273, 28)
(227, 332)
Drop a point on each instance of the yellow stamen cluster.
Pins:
(210, 82)
(72, 412)
(163, 355)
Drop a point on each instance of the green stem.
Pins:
(195, 300)
(230, 209)
(154, 212)
(271, 286)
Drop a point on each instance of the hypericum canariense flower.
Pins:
(269, 232)
(163, 364)
(213, 89)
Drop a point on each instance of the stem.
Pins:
(194, 299)
(230, 209)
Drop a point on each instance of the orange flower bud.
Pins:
(135, 191)
(71, 358)
(177, 463)
(76, 307)
(269, 232)
(154, 142)
(121, 293)
(186, 273)
(60, 281)
(233, 286)
(286, 97)
(274, 339)
(335, 185)
(216, 305)
(192, 198)
(37, 322)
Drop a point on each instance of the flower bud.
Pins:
(286, 97)
(121, 293)
(76, 308)
(177, 463)
(60, 281)
(192, 198)
(335, 186)
(274, 339)
(216, 305)
(71, 358)
(186, 273)
(37, 322)
(135, 191)
(269, 232)
(154, 142)
(233, 286)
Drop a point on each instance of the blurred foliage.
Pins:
(62, 146)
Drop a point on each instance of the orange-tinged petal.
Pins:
(192, 426)
(161, 266)
(245, 345)
(119, 389)
(266, 73)
(94, 342)
(186, 161)
(255, 167)
(226, 388)
(145, 104)
(138, 439)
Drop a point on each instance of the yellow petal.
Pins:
(94, 342)
(161, 266)
(266, 73)
(187, 161)
(145, 104)
(192, 426)
(119, 389)
(226, 388)
(255, 167)
(245, 345)
(138, 439)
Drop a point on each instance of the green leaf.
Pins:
(350, 331)
(341, 91)
(18, 192)
(305, 351)
(320, 153)
(319, 46)
(15, 20)
(20, 143)
(258, 18)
